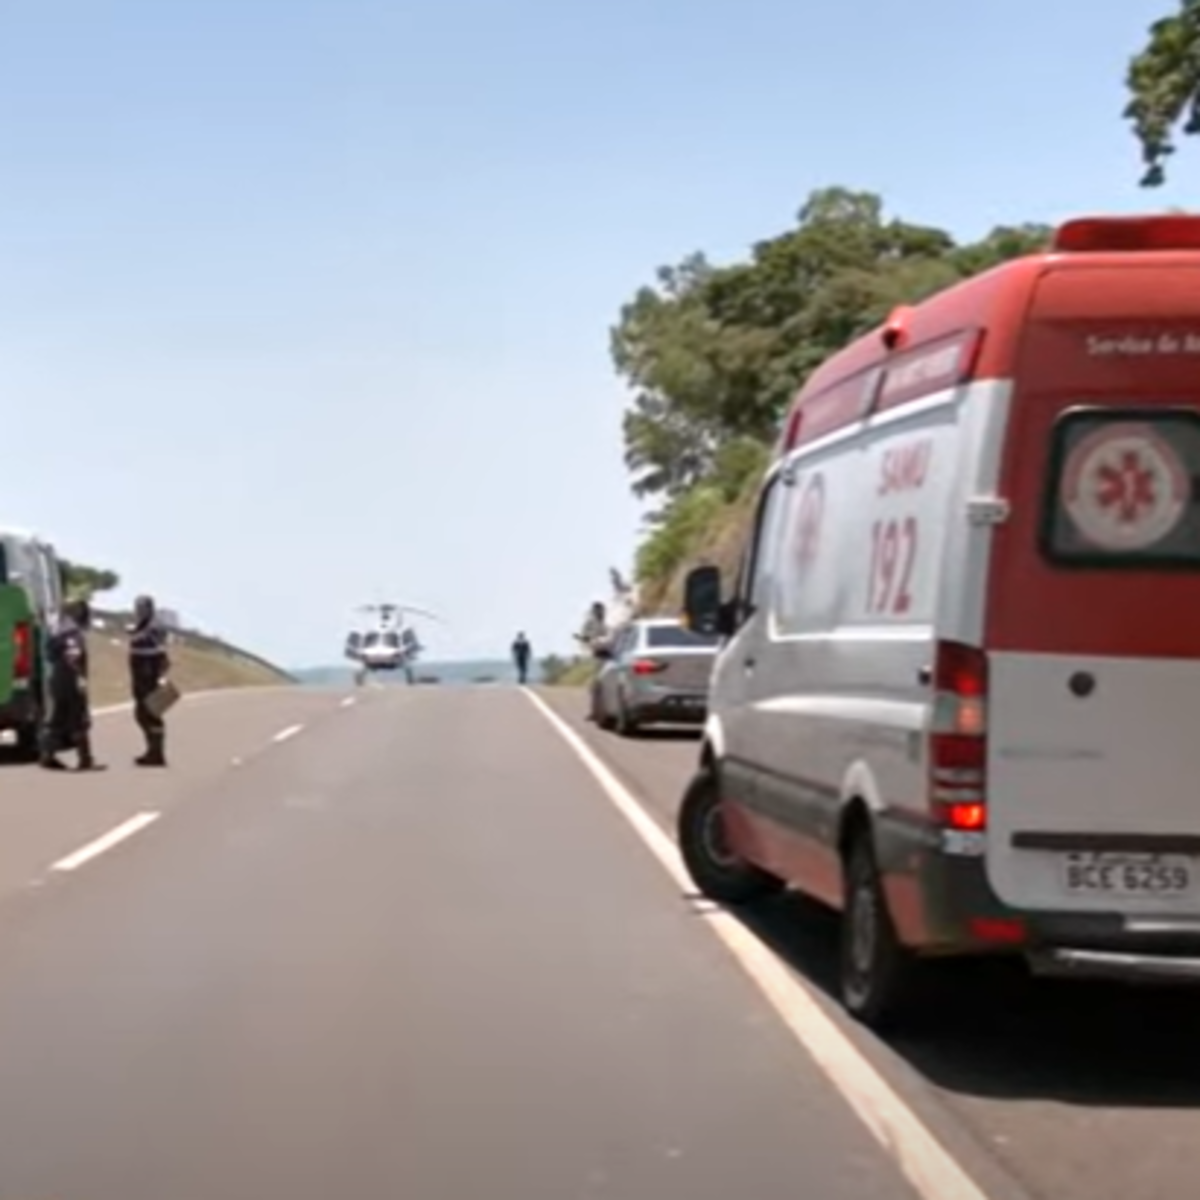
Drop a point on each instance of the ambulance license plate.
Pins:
(1109, 874)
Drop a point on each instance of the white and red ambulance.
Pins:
(959, 693)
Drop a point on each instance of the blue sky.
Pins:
(306, 301)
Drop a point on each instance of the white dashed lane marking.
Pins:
(106, 841)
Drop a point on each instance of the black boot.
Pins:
(48, 748)
(86, 760)
(155, 755)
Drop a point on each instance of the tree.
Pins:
(1163, 82)
(554, 668)
(713, 355)
(83, 582)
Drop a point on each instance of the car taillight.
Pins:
(23, 651)
(958, 738)
(647, 666)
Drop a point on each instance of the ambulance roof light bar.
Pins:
(1169, 231)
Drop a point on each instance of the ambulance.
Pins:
(958, 693)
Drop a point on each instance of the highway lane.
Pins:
(45, 816)
(1080, 1091)
(412, 951)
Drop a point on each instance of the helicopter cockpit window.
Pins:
(371, 639)
(391, 640)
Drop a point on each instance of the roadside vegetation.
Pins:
(713, 355)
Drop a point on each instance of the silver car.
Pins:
(655, 671)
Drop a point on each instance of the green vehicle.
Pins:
(20, 693)
(30, 601)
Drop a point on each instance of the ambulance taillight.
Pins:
(958, 737)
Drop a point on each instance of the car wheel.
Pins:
(626, 724)
(877, 973)
(602, 718)
(718, 872)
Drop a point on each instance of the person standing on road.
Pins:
(69, 725)
(594, 634)
(521, 652)
(148, 666)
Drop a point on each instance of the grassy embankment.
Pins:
(199, 663)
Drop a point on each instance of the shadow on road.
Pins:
(998, 1033)
(669, 733)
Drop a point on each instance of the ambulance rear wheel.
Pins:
(876, 971)
(718, 872)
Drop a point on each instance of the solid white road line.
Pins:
(926, 1164)
(289, 732)
(112, 838)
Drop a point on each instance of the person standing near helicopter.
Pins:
(522, 651)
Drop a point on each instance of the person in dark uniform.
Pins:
(148, 666)
(521, 652)
(69, 724)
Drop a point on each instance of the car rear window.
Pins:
(661, 637)
(1122, 489)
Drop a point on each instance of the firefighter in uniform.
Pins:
(69, 724)
(148, 666)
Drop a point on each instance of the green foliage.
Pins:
(1163, 82)
(579, 673)
(738, 463)
(713, 355)
(83, 582)
(554, 668)
(677, 530)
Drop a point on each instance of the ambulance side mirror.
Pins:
(702, 607)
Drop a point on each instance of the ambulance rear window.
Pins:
(1122, 489)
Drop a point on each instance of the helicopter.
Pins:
(390, 643)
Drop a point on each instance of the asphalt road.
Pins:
(410, 950)
(415, 943)
(1076, 1090)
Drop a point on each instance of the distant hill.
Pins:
(477, 671)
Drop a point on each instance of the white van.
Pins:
(959, 695)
